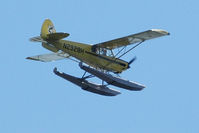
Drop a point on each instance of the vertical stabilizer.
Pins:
(47, 28)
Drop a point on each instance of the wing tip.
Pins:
(164, 32)
(29, 58)
(35, 59)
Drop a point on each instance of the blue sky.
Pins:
(33, 99)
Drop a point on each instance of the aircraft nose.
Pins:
(128, 66)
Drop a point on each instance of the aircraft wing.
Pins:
(49, 57)
(131, 39)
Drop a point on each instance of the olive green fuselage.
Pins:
(84, 53)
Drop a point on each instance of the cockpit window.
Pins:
(101, 51)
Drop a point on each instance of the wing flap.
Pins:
(49, 57)
(131, 39)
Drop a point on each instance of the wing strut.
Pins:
(124, 52)
(120, 51)
(130, 49)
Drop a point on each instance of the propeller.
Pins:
(131, 61)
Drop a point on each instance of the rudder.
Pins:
(47, 28)
(48, 33)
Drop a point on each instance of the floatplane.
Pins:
(99, 59)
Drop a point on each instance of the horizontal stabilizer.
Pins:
(49, 57)
(50, 37)
(56, 36)
(37, 39)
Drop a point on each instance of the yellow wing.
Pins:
(131, 39)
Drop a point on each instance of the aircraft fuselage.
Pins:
(84, 53)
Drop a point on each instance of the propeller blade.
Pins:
(131, 61)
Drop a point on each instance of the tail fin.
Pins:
(47, 28)
(48, 33)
